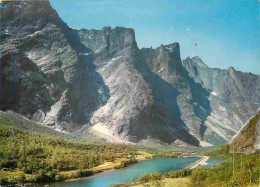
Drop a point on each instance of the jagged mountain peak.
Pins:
(173, 46)
(173, 49)
(231, 69)
(164, 60)
(196, 60)
(36, 9)
(107, 39)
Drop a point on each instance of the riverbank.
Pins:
(118, 164)
(133, 172)
(75, 175)
(108, 166)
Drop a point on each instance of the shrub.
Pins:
(179, 173)
(59, 178)
(144, 178)
(156, 176)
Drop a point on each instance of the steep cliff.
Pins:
(132, 111)
(165, 62)
(69, 79)
(234, 96)
(52, 82)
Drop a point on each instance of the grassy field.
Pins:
(167, 182)
(178, 182)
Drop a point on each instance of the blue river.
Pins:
(132, 172)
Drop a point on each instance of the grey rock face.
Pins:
(67, 78)
(132, 112)
(52, 81)
(165, 62)
(234, 95)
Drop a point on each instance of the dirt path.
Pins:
(201, 161)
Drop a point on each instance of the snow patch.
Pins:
(116, 58)
(221, 108)
(204, 143)
(202, 108)
(161, 70)
(101, 128)
(214, 93)
(188, 97)
(169, 48)
(44, 58)
(100, 49)
(32, 35)
(56, 129)
(73, 28)
(103, 132)
(85, 54)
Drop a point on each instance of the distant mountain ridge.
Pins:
(234, 96)
(68, 78)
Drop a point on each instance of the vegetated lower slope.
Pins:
(247, 139)
(40, 157)
(246, 169)
(23, 123)
(43, 155)
(26, 124)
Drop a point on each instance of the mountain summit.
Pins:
(70, 79)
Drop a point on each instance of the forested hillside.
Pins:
(247, 139)
(41, 157)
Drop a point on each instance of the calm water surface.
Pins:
(160, 165)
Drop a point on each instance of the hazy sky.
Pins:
(227, 32)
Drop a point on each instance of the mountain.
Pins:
(100, 81)
(138, 102)
(49, 72)
(234, 96)
(247, 139)
(165, 63)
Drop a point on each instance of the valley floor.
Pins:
(50, 156)
(177, 182)
(167, 182)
